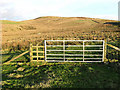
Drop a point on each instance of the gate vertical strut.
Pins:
(64, 49)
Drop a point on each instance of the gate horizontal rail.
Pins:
(72, 61)
(76, 45)
(76, 50)
(73, 55)
(75, 40)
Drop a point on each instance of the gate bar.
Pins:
(75, 40)
(64, 49)
(45, 49)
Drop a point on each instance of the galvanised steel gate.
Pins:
(74, 50)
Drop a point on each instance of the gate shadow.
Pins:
(11, 55)
(27, 57)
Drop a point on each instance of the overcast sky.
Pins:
(18, 10)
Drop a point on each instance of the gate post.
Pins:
(105, 50)
(45, 49)
(103, 54)
(31, 54)
(83, 50)
(37, 52)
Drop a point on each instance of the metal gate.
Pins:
(74, 50)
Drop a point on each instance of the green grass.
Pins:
(58, 75)
(10, 55)
(78, 21)
(61, 75)
(10, 22)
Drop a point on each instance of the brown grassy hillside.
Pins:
(20, 34)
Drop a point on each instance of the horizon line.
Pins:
(63, 17)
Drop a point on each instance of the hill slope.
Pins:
(55, 28)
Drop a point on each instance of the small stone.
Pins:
(11, 74)
(20, 69)
(15, 70)
(18, 76)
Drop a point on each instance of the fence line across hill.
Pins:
(40, 53)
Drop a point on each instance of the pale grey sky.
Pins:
(18, 10)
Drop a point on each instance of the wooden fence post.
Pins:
(105, 51)
(31, 54)
(44, 51)
(37, 52)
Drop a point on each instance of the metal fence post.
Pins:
(83, 51)
(45, 49)
(103, 50)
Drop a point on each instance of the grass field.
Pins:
(61, 75)
(16, 39)
(57, 75)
